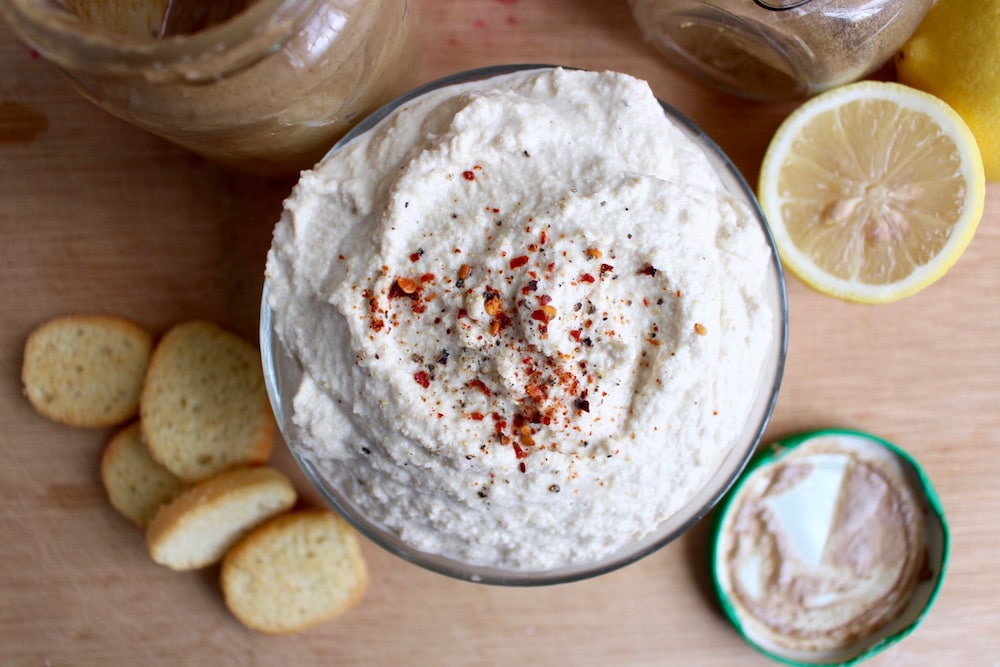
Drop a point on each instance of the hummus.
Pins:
(530, 318)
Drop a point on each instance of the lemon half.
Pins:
(873, 191)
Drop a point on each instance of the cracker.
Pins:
(204, 406)
(136, 484)
(294, 571)
(199, 525)
(86, 370)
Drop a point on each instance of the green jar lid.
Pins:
(830, 548)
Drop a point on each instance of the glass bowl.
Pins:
(282, 375)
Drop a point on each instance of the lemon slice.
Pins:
(872, 190)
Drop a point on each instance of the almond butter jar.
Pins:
(778, 49)
(263, 85)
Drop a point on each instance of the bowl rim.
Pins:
(270, 344)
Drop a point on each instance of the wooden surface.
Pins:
(98, 216)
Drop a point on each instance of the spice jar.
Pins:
(265, 85)
(776, 49)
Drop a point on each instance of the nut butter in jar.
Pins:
(778, 49)
(266, 86)
(830, 549)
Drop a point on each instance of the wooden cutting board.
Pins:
(98, 216)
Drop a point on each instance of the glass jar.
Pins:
(267, 85)
(778, 49)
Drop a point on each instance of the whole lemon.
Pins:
(955, 55)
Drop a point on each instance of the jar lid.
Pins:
(829, 549)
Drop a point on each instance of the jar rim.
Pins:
(57, 33)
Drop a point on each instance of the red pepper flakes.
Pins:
(543, 237)
(537, 392)
(480, 385)
(649, 270)
(422, 378)
(518, 261)
(606, 268)
(477, 416)
(545, 314)
(493, 306)
(405, 285)
(427, 277)
(575, 334)
(416, 256)
(469, 175)
(587, 278)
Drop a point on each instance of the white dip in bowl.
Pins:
(528, 321)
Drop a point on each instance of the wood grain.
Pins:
(97, 216)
